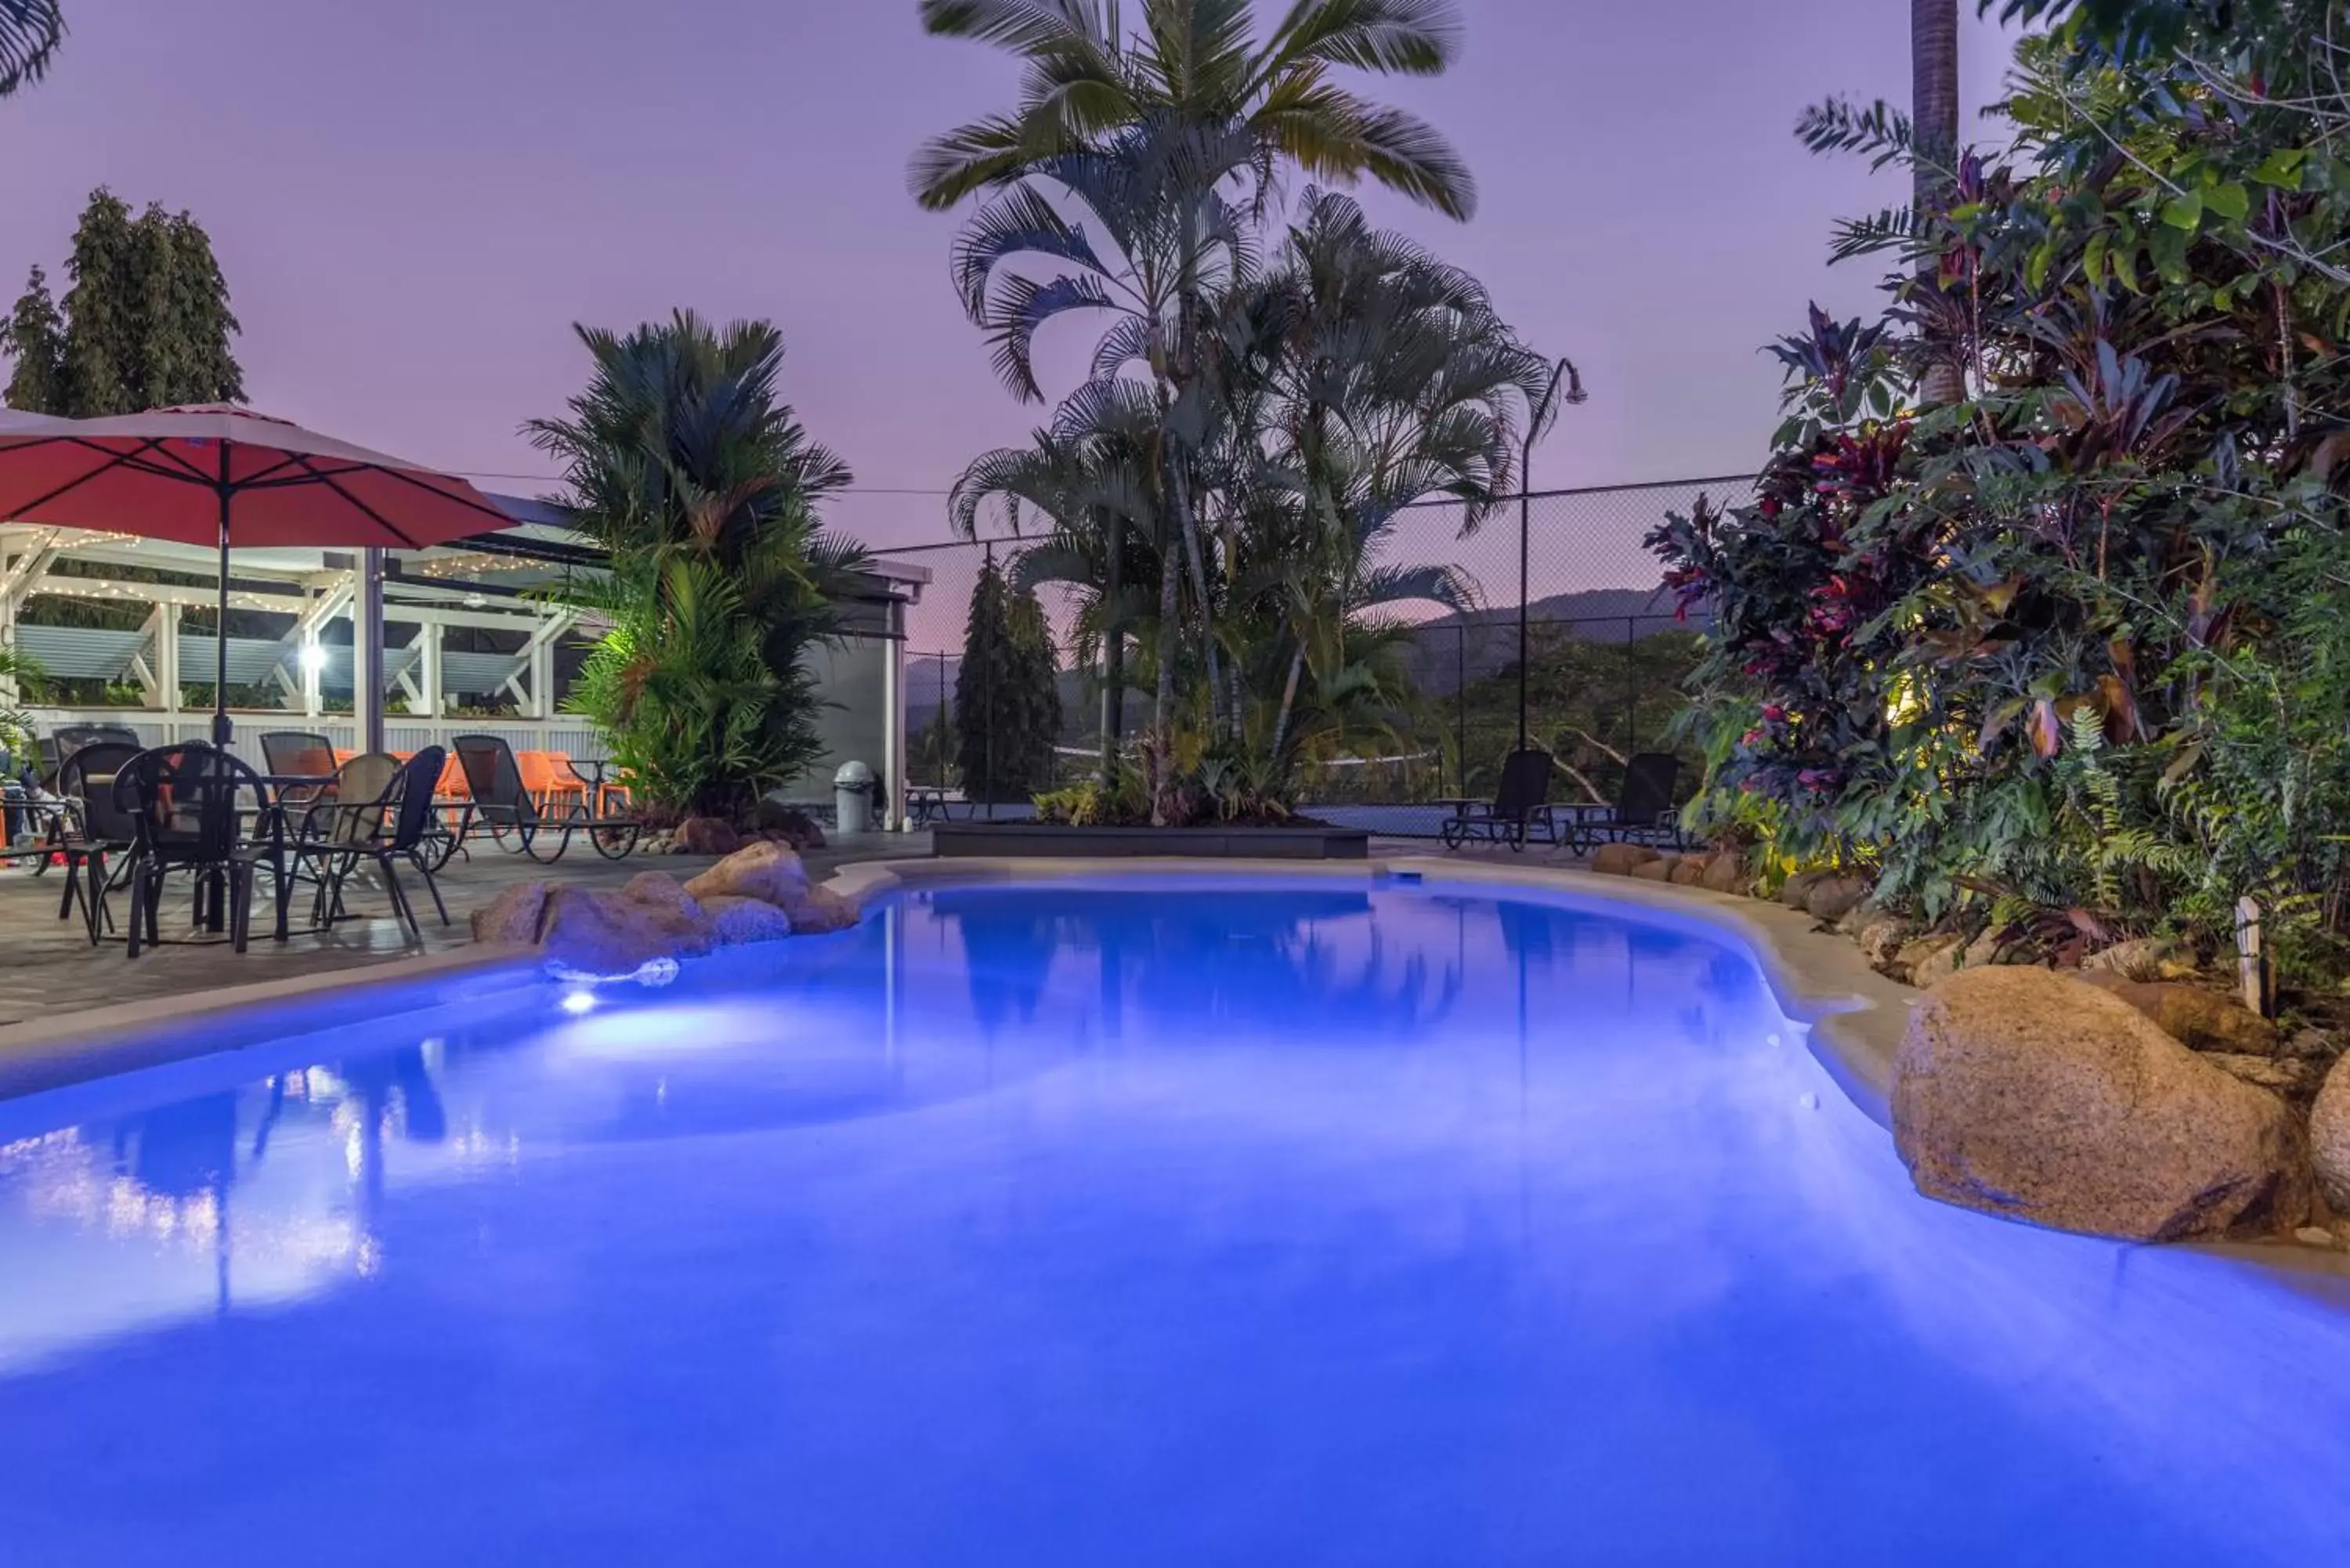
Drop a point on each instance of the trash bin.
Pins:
(852, 798)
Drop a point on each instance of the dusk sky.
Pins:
(412, 204)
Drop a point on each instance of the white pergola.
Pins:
(345, 611)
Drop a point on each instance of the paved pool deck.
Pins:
(48, 971)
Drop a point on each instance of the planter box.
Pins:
(1030, 840)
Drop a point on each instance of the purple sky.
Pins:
(413, 203)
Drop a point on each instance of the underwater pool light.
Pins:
(576, 1002)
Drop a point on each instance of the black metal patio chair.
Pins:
(382, 830)
(98, 836)
(1519, 813)
(1644, 811)
(207, 813)
(518, 821)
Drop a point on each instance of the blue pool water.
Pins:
(1168, 1223)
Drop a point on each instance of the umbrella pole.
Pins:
(221, 729)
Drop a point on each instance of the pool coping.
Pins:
(100, 1042)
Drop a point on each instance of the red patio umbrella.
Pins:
(224, 476)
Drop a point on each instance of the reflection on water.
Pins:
(1080, 1225)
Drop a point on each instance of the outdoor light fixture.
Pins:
(314, 658)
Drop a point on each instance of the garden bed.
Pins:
(1052, 841)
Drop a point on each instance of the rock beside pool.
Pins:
(1660, 869)
(1689, 871)
(664, 895)
(1832, 897)
(1725, 873)
(819, 910)
(2199, 1017)
(1928, 960)
(2329, 1137)
(513, 917)
(1621, 859)
(771, 873)
(759, 894)
(736, 922)
(609, 936)
(2025, 1094)
(1797, 889)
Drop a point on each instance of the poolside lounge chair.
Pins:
(1644, 811)
(1519, 811)
(518, 821)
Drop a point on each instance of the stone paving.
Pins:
(48, 966)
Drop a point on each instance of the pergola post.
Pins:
(430, 647)
(367, 652)
(893, 711)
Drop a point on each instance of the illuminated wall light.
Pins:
(314, 658)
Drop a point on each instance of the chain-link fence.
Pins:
(1565, 572)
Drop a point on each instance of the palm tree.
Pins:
(1934, 121)
(1165, 123)
(30, 32)
(1091, 476)
(1388, 380)
(1196, 65)
(700, 484)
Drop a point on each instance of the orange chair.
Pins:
(548, 779)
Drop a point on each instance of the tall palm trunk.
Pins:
(1162, 707)
(1934, 118)
(1113, 701)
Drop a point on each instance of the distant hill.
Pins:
(1486, 642)
(1456, 649)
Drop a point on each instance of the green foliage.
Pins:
(30, 32)
(1219, 489)
(145, 325)
(687, 468)
(2070, 650)
(34, 338)
(1007, 700)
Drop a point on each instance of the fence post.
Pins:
(1460, 711)
(1631, 691)
(987, 700)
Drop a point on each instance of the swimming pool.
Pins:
(1150, 1222)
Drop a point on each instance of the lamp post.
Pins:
(1564, 375)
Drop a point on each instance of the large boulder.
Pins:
(1620, 859)
(768, 872)
(705, 836)
(787, 824)
(513, 917)
(735, 923)
(2296, 1079)
(2329, 1137)
(1689, 871)
(609, 936)
(2193, 1015)
(1832, 897)
(2025, 1094)
(1660, 869)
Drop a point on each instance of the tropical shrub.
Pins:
(700, 484)
(2067, 653)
